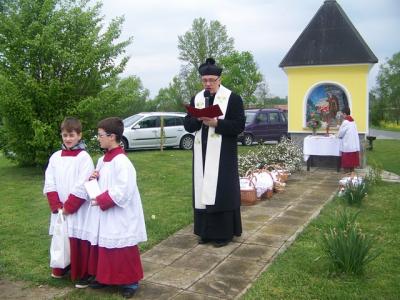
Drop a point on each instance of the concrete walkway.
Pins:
(180, 268)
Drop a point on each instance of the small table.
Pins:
(318, 145)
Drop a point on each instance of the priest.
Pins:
(216, 190)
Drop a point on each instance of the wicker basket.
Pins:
(279, 187)
(267, 195)
(248, 194)
(283, 173)
(248, 197)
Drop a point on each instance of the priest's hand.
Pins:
(94, 202)
(211, 122)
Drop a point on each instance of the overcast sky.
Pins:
(266, 28)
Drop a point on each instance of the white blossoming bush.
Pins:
(286, 153)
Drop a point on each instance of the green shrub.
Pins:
(355, 192)
(286, 153)
(344, 217)
(48, 67)
(92, 144)
(374, 174)
(348, 249)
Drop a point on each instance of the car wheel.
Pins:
(186, 142)
(284, 136)
(247, 140)
(124, 144)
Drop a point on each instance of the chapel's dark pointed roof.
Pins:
(329, 39)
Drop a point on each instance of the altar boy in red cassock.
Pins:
(349, 142)
(115, 223)
(65, 175)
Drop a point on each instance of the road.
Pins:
(384, 135)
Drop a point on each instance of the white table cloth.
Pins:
(321, 145)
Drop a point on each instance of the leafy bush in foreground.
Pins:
(348, 249)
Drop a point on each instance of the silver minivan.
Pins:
(143, 130)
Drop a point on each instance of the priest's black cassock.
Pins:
(221, 221)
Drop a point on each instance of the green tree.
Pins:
(171, 98)
(203, 41)
(241, 75)
(377, 109)
(54, 54)
(179, 91)
(262, 94)
(121, 97)
(388, 89)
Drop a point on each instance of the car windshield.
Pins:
(250, 115)
(132, 119)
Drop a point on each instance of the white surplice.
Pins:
(66, 175)
(123, 224)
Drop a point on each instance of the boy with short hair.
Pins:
(116, 215)
(65, 175)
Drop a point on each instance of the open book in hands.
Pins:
(212, 111)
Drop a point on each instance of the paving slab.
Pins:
(163, 255)
(197, 262)
(223, 287)
(296, 213)
(194, 296)
(181, 242)
(289, 220)
(269, 240)
(151, 291)
(180, 278)
(247, 252)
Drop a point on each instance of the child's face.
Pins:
(70, 139)
(105, 139)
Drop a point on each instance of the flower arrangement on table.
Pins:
(324, 113)
(314, 123)
(326, 116)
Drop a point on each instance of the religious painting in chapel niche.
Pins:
(324, 103)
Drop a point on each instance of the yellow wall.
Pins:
(351, 78)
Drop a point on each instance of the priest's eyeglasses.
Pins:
(209, 80)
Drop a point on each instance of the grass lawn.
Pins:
(302, 271)
(164, 180)
(386, 154)
(390, 126)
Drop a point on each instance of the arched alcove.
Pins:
(325, 100)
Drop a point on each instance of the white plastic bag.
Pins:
(60, 253)
(264, 182)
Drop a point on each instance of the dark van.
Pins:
(264, 125)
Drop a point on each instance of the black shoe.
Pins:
(97, 285)
(203, 241)
(128, 292)
(84, 282)
(221, 243)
